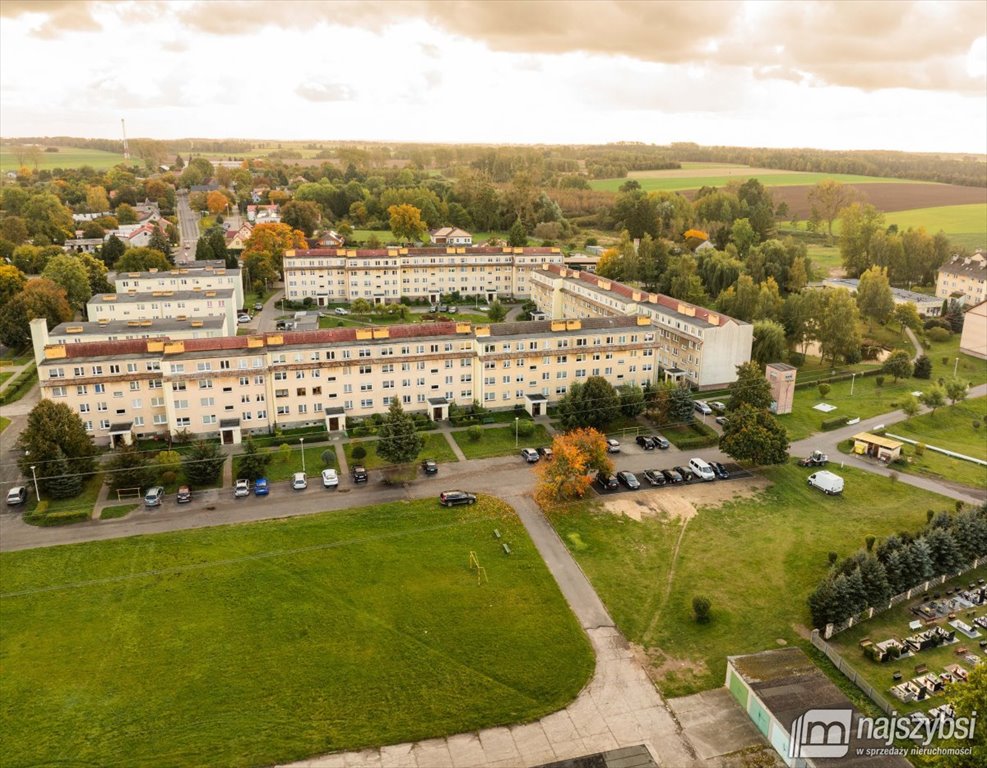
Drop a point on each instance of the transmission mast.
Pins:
(126, 149)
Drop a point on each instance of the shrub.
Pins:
(474, 433)
(796, 358)
(833, 557)
(869, 541)
(879, 380)
(938, 335)
(327, 456)
(824, 389)
(923, 368)
(525, 428)
(168, 477)
(919, 449)
(701, 607)
(945, 360)
(359, 452)
(835, 423)
(976, 424)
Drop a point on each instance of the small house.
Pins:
(876, 446)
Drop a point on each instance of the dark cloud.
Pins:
(314, 90)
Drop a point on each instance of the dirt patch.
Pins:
(659, 665)
(888, 197)
(682, 503)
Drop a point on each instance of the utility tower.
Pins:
(126, 149)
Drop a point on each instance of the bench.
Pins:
(488, 420)
(496, 533)
(507, 549)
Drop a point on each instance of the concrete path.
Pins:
(460, 456)
(228, 472)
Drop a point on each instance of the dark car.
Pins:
(607, 482)
(184, 495)
(430, 467)
(660, 442)
(629, 479)
(719, 470)
(360, 474)
(671, 476)
(686, 473)
(452, 498)
(261, 488)
(546, 453)
(655, 477)
(645, 442)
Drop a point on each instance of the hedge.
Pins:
(835, 423)
(41, 517)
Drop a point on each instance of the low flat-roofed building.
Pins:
(876, 446)
(201, 275)
(584, 262)
(927, 305)
(777, 689)
(165, 304)
(973, 340)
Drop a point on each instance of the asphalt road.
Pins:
(188, 228)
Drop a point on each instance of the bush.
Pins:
(880, 381)
(359, 452)
(834, 423)
(796, 358)
(976, 424)
(923, 368)
(328, 456)
(525, 428)
(701, 607)
(168, 477)
(938, 335)
(474, 433)
(919, 449)
(832, 557)
(824, 389)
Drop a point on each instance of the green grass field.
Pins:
(436, 447)
(283, 465)
(757, 559)
(966, 225)
(116, 511)
(4, 423)
(676, 180)
(254, 644)
(66, 157)
(499, 441)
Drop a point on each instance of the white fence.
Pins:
(928, 447)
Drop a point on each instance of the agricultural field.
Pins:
(66, 157)
(755, 548)
(890, 195)
(271, 642)
(966, 225)
(717, 175)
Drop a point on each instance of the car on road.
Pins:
(645, 442)
(530, 455)
(16, 495)
(360, 474)
(329, 478)
(299, 482)
(686, 473)
(702, 407)
(258, 307)
(607, 481)
(545, 452)
(722, 420)
(430, 467)
(341, 311)
(184, 495)
(453, 498)
(719, 470)
(244, 318)
(154, 496)
(655, 477)
(671, 476)
(613, 446)
(241, 489)
(660, 442)
(718, 406)
(261, 488)
(629, 479)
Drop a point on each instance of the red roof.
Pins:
(424, 251)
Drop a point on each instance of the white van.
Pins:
(701, 469)
(826, 482)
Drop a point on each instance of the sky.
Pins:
(833, 75)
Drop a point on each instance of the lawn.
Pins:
(499, 441)
(4, 423)
(676, 180)
(66, 157)
(756, 559)
(966, 225)
(894, 624)
(62, 511)
(118, 510)
(436, 447)
(20, 386)
(946, 357)
(950, 427)
(271, 642)
(284, 464)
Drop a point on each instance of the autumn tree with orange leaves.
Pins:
(577, 456)
(265, 248)
(216, 202)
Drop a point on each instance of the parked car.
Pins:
(613, 446)
(645, 442)
(258, 307)
(702, 407)
(241, 488)
(685, 472)
(606, 481)
(545, 452)
(717, 406)
(452, 498)
(299, 482)
(629, 479)
(329, 478)
(341, 311)
(442, 308)
(184, 495)
(453, 310)
(655, 477)
(16, 495)
(719, 470)
(660, 442)
(430, 467)
(701, 469)
(154, 496)
(360, 474)
(530, 455)
(244, 318)
(722, 420)
(671, 476)
(826, 482)
(261, 488)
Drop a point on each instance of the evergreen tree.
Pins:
(896, 570)
(946, 556)
(60, 481)
(217, 244)
(856, 593)
(129, 468)
(203, 250)
(875, 581)
(203, 463)
(923, 367)
(922, 563)
(751, 388)
(253, 463)
(400, 442)
(681, 408)
(159, 242)
(112, 250)
(823, 604)
(517, 236)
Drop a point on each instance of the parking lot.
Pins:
(735, 470)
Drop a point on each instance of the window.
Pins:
(138, 421)
(131, 367)
(244, 381)
(137, 404)
(160, 418)
(157, 402)
(181, 405)
(135, 386)
(84, 408)
(183, 421)
(114, 369)
(281, 393)
(209, 419)
(153, 384)
(205, 383)
(280, 375)
(284, 410)
(97, 370)
(58, 392)
(300, 392)
(104, 423)
(101, 407)
(89, 426)
(207, 402)
(178, 386)
(367, 403)
(56, 373)
(101, 388)
(81, 389)
(203, 366)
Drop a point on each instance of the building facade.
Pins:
(231, 386)
(973, 341)
(963, 278)
(693, 344)
(386, 275)
(123, 330)
(199, 276)
(166, 304)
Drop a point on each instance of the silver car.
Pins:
(299, 482)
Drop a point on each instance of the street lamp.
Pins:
(955, 366)
(37, 494)
(853, 378)
(302, 441)
(516, 420)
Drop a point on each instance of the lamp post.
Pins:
(37, 494)
(516, 420)
(302, 441)
(955, 366)
(853, 378)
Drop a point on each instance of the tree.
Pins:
(159, 242)
(874, 299)
(253, 463)
(754, 435)
(593, 403)
(14, 229)
(406, 222)
(128, 467)
(32, 259)
(61, 481)
(956, 390)
(40, 298)
(743, 236)
(203, 250)
(923, 367)
(217, 242)
(12, 282)
(497, 312)
(859, 223)
(112, 250)
(701, 609)
(96, 200)
(576, 455)
(898, 364)
(836, 326)
(910, 405)
(216, 202)
(827, 199)
(96, 272)
(142, 260)
(361, 306)
(400, 442)
(303, 215)
(203, 463)
(934, 397)
(69, 273)
(46, 217)
(769, 342)
(751, 388)
(126, 214)
(967, 700)
(906, 315)
(517, 237)
(54, 433)
(631, 400)
(681, 408)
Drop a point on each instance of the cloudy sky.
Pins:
(839, 75)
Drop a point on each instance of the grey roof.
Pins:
(438, 401)
(121, 426)
(165, 295)
(853, 283)
(198, 269)
(165, 325)
(782, 366)
(973, 266)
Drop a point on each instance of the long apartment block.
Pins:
(385, 275)
(693, 344)
(228, 387)
(197, 276)
(166, 304)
